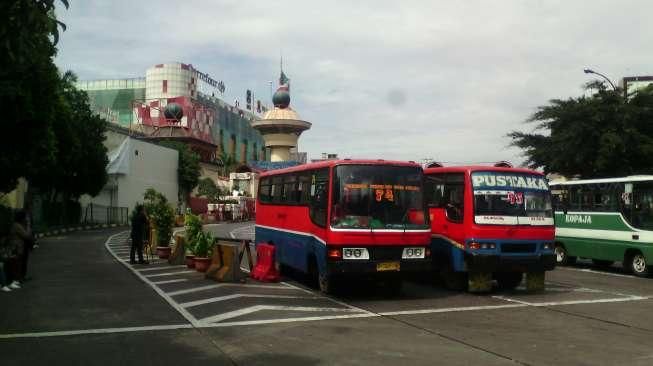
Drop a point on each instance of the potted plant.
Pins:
(202, 248)
(193, 226)
(162, 219)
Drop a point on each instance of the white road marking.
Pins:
(574, 302)
(169, 273)
(218, 285)
(236, 296)
(159, 268)
(191, 319)
(327, 297)
(599, 272)
(451, 310)
(94, 331)
(288, 320)
(170, 281)
(233, 232)
(255, 308)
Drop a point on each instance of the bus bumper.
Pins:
(503, 263)
(382, 267)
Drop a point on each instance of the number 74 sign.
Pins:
(516, 198)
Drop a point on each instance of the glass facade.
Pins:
(231, 129)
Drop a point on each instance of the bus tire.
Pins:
(562, 257)
(602, 263)
(327, 283)
(453, 280)
(636, 263)
(508, 280)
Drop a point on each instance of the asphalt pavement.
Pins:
(87, 305)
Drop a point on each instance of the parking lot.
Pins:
(585, 316)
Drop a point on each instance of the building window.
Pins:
(165, 86)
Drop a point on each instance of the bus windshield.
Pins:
(505, 198)
(378, 197)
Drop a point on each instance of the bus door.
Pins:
(445, 195)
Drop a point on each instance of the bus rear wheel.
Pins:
(508, 280)
(638, 265)
(562, 257)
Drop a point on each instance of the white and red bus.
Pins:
(346, 217)
(489, 222)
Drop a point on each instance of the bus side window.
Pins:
(454, 193)
(434, 190)
(264, 190)
(304, 188)
(319, 196)
(289, 189)
(277, 190)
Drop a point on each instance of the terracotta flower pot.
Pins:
(190, 263)
(201, 264)
(163, 252)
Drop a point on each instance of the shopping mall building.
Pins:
(205, 122)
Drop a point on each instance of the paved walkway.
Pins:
(83, 308)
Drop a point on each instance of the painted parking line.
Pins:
(236, 296)
(94, 331)
(218, 285)
(170, 281)
(574, 302)
(256, 308)
(160, 268)
(587, 270)
(170, 273)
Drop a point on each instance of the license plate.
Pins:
(387, 266)
(413, 253)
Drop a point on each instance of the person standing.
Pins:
(139, 224)
(20, 241)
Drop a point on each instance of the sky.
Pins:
(407, 80)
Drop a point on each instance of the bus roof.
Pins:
(478, 168)
(632, 178)
(330, 163)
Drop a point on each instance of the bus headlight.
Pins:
(547, 246)
(476, 245)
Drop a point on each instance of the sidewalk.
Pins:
(79, 286)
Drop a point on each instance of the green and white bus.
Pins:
(605, 220)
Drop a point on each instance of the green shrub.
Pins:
(203, 244)
(193, 226)
(162, 215)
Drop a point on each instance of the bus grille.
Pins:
(390, 253)
(518, 247)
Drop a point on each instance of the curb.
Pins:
(76, 228)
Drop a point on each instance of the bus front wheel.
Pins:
(562, 257)
(638, 265)
(327, 283)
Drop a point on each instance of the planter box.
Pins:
(190, 263)
(163, 252)
(201, 264)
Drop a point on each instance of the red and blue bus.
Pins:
(490, 223)
(346, 217)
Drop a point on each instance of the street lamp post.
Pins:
(590, 71)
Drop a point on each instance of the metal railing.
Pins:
(100, 214)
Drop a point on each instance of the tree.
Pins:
(603, 135)
(188, 171)
(29, 83)
(229, 163)
(207, 188)
(79, 157)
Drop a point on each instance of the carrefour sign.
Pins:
(503, 181)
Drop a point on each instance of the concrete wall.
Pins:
(150, 166)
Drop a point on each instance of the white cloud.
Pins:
(389, 79)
